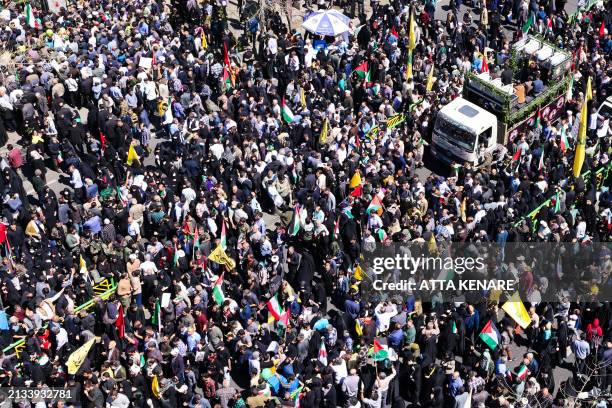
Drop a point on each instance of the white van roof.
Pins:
(466, 114)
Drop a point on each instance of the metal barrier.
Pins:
(103, 290)
(600, 177)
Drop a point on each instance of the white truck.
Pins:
(489, 114)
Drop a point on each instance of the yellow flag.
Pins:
(355, 180)
(358, 273)
(204, 42)
(432, 246)
(411, 33)
(155, 387)
(430, 79)
(219, 256)
(584, 117)
(516, 310)
(82, 265)
(132, 156)
(302, 97)
(463, 209)
(324, 131)
(409, 65)
(75, 361)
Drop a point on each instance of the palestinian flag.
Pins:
(376, 205)
(218, 291)
(535, 123)
(557, 207)
(522, 372)
(490, 335)
(296, 222)
(323, 354)
(564, 142)
(286, 112)
(517, 154)
(276, 310)
(362, 71)
(530, 21)
(356, 145)
(226, 60)
(227, 79)
(156, 319)
(549, 25)
(379, 352)
(223, 242)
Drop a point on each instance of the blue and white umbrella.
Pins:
(327, 22)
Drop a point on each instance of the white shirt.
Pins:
(76, 180)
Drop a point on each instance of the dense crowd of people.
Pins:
(224, 186)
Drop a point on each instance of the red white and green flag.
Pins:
(323, 353)
(196, 238)
(295, 222)
(217, 291)
(379, 352)
(490, 335)
(541, 162)
(337, 228)
(522, 372)
(223, 236)
(564, 141)
(227, 79)
(31, 21)
(362, 71)
(517, 154)
(277, 311)
(286, 112)
(375, 205)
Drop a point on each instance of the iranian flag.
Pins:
(286, 112)
(223, 236)
(323, 354)
(490, 335)
(29, 17)
(564, 141)
(375, 206)
(218, 291)
(277, 311)
(522, 372)
(295, 222)
(379, 352)
(362, 71)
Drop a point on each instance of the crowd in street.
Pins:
(224, 185)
